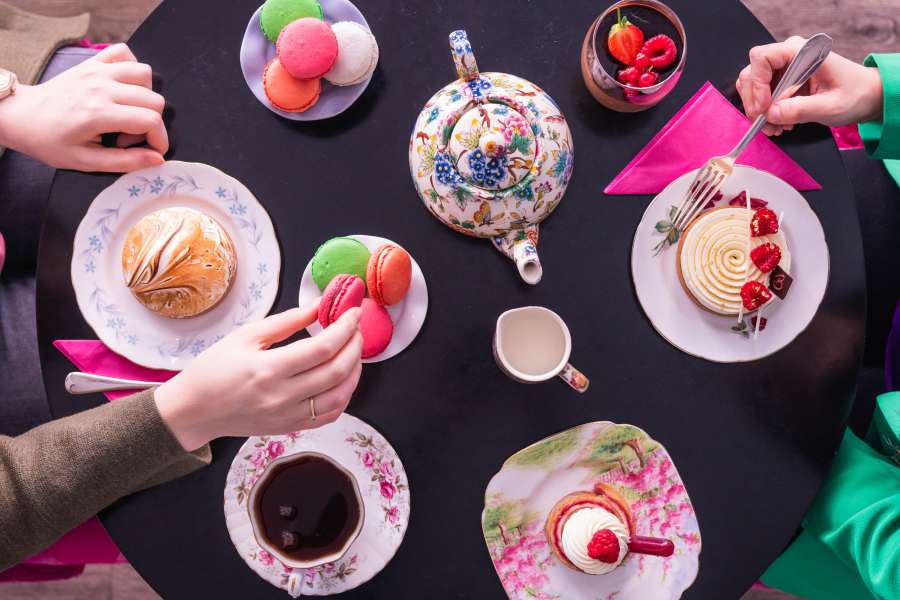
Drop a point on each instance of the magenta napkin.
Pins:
(707, 125)
(92, 356)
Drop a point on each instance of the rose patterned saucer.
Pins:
(382, 482)
(531, 481)
(408, 315)
(123, 323)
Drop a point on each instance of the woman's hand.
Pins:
(241, 386)
(60, 121)
(841, 92)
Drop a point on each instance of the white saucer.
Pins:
(701, 333)
(382, 482)
(407, 315)
(257, 51)
(123, 323)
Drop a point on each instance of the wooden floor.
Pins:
(857, 26)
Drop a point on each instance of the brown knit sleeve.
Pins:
(55, 476)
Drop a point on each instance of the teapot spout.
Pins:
(521, 247)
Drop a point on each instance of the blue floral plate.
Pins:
(124, 324)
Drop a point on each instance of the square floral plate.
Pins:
(519, 498)
(719, 338)
(123, 323)
(382, 482)
(408, 315)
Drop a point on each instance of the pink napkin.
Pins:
(92, 356)
(707, 125)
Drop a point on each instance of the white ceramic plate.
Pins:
(700, 333)
(257, 51)
(407, 315)
(520, 496)
(382, 481)
(123, 323)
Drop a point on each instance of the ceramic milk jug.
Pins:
(491, 156)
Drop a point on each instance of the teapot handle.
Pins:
(463, 57)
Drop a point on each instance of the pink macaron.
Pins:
(342, 293)
(307, 48)
(376, 327)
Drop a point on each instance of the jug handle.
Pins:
(463, 57)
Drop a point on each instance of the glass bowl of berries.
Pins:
(633, 55)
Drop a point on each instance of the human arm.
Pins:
(881, 136)
(61, 121)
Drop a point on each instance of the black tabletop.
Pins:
(752, 441)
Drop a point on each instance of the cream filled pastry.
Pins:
(582, 540)
(714, 258)
(178, 262)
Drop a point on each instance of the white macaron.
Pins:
(357, 54)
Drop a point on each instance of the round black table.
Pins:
(752, 441)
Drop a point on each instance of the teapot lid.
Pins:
(492, 145)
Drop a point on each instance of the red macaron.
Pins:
(376, 327)
(388, 274)
(342, 293)
(307, 48)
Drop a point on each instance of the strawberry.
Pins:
(629, 75)
(754, 294)
(648, 78)
(764, 222)
(604, 546)
(642, 61)
(624, 39)
(740, 201)
(766, 256)
(661, 51)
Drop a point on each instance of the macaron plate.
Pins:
(519, 498)
(382, 481)
(408, 315)
(118, 319)
(257, 51)
(698, 332)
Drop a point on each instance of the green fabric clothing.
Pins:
(850, 544)
(882, 138)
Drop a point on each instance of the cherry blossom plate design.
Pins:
(519, 498)
(408, 315)
(257, 51)
(382, 482)
(123, 323)
(718, 338)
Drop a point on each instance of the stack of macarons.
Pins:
(308, 49)
(345, 271)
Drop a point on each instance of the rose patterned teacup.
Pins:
(315, 505)
(533, 344)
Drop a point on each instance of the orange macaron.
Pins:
(287, 92)
(388, 274)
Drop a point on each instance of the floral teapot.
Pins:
(491, 156)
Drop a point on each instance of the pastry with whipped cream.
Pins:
(178, 262)
(717, 256)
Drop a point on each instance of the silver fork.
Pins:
(712, 175)
(87, 383)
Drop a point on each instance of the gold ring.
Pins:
(312, 408)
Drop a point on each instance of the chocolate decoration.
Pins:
(780, 282)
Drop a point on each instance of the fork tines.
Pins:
(703, 189)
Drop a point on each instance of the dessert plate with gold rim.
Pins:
(681, 322)
(519, 498)
(123, 323)
(382, 481)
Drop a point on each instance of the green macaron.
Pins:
(337, 256)
(276, 14)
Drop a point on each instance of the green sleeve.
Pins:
(882, 138)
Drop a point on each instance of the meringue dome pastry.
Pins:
(178, 262)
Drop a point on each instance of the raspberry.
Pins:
(628, 75)
(740, 201)
(648, 78)
(766, 256)
(661, 51)
(604, 546)
(764, 222)
(754, 294)
(641, 61)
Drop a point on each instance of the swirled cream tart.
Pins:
(717, 256)
(178, 262)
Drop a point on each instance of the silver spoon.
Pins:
(87, 383)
